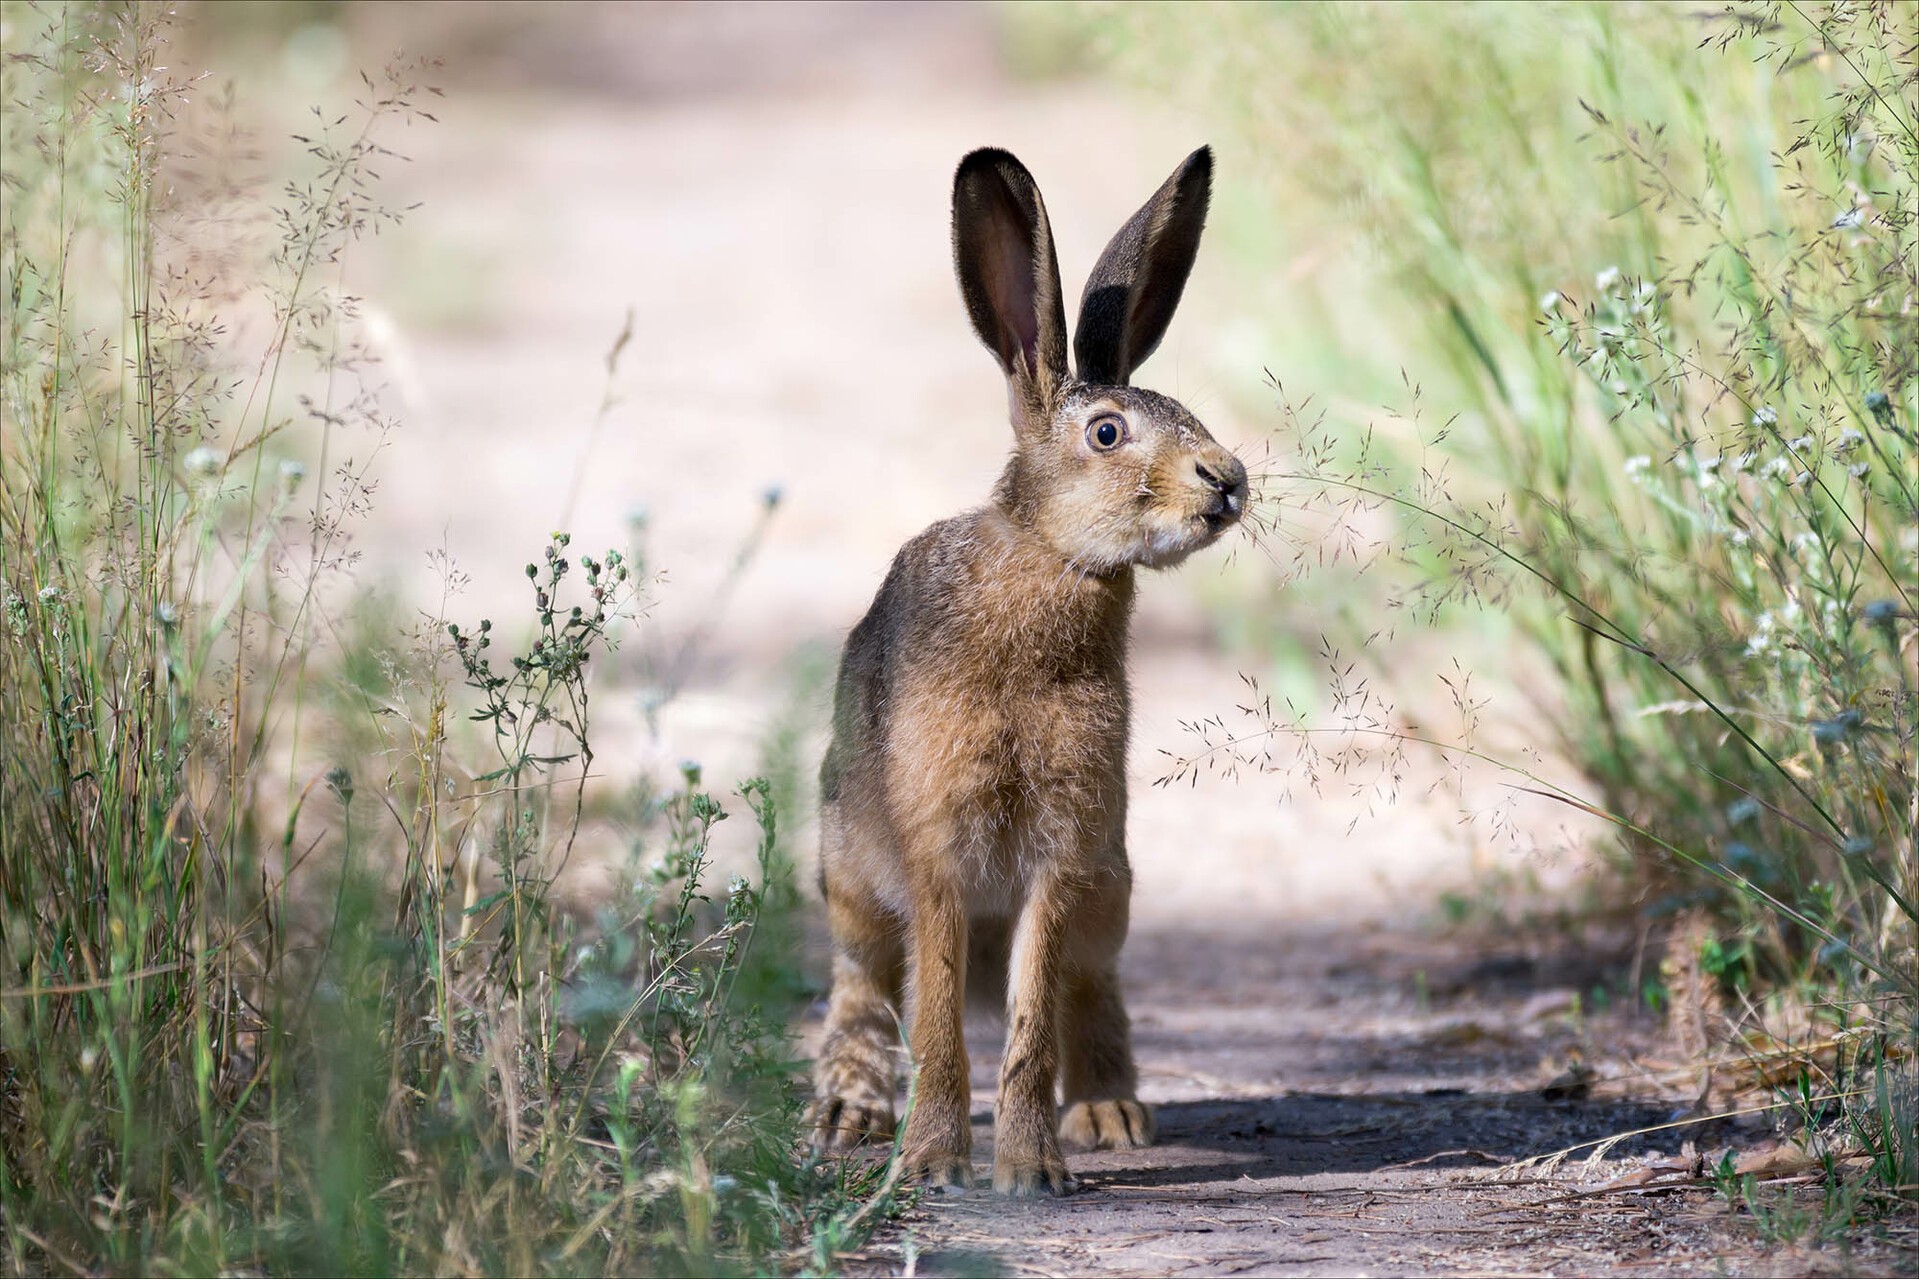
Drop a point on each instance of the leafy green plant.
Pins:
(1656, 273)
(287, 979)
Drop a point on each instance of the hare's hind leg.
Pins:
(853, 1079)
(1101, 1083)
(1102, 1109)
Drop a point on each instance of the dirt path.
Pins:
(1341, 1100)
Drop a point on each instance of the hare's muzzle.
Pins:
(1225, 475)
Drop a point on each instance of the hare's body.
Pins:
(974, 796)
(963, 708)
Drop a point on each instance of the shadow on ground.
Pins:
(1309, 1134)
(1337, 1099)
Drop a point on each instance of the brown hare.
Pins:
(974, 796)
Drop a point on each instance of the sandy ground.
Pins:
(766, 193)
(1334, 1100)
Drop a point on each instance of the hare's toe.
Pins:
(1026, 1178)
(841, 1123)
(945, 1172)
(1119, 1124)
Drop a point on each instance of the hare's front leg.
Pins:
(1101, 1083)
(853, 1082)
(1026, 1156)
(939, 1134)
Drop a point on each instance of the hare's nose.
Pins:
(1226, 477)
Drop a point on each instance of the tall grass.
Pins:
(1656, 272)
(286, 982)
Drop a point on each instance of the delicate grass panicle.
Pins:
(1658, 272)
(285, 983)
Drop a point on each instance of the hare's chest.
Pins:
(987, 735)
(1009, 781)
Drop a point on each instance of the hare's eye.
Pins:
(1106, 433)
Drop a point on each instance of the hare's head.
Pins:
(1111, 475)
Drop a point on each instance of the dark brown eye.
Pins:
(1106, 433)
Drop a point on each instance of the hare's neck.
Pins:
(1015, 505)
(1039, 597)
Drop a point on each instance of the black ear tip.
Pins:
(1199, 166)
(987, 159)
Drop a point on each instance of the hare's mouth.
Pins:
(1222, 516)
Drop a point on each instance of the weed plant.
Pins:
(286, 985)
(1655, 272)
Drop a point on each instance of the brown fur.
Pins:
(974, 796)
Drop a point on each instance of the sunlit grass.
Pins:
(1638, 285)
(287, 985)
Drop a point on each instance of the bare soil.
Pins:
(1336, 1099)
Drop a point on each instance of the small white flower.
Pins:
(202, 461)
(1607, 280)
(1740, 537)
(1859, 470)
(1744, 461)
(1550, 303)
(1763, 416)
(1805, 541)
(291, 473)
(1800, 444)
(1849, 440)
(1848, 220)
(1709, 464)
(1637, 466)
(1800, 480)
(735, 886)
(168, 615)
(49, 595)
(1777, 467)
(1616, 387)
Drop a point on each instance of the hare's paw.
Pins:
(947, 1171)
(1025, 1175)
(841, 1123)
(937, 1154)
(938, 1146)
(1120, 1124)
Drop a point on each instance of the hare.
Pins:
(974, 795)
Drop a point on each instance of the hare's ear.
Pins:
(1134, 288)
(1003, 254)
